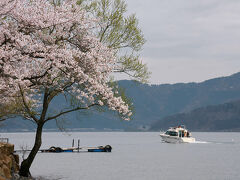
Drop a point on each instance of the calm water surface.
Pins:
(136, 156)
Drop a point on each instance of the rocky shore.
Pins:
(9, 162)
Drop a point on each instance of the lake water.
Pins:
(136, 156)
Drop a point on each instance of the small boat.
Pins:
(177, 134)
(107, 148)
(54, 149)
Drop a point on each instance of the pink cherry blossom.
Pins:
(47, 50)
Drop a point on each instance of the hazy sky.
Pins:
(189, 40)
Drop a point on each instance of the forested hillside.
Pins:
(224, 117)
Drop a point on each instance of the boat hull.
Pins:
(176, 139)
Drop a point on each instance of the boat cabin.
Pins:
(179, 131)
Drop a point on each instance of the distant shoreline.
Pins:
(77, 130)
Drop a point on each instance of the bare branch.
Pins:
(72, 110)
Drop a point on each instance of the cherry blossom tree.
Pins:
(47, 50)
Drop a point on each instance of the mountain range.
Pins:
(156, 107)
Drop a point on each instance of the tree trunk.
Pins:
(26, 164)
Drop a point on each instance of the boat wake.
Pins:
(200, 142)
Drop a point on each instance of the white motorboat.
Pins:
(177, 134)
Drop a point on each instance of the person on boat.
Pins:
(185, 134)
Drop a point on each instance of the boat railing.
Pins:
(183, 126)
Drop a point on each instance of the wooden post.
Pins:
(78, 144)
(73, 143)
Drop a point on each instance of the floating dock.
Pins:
(54, 149)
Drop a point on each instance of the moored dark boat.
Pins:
(106, 148)
(56, 150)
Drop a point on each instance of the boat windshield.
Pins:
(171, 133)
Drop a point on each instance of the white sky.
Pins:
(189, 40)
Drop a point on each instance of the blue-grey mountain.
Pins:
(152, 103)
